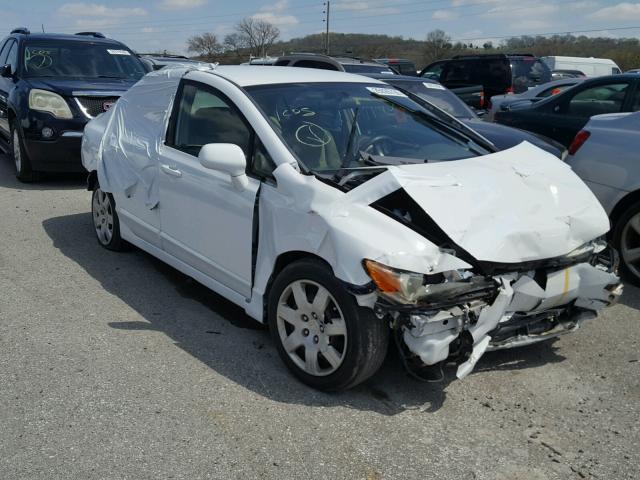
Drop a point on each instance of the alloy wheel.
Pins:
(312, 328)
(102, 216)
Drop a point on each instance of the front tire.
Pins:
(105, 221)
(21, 160)
(626, 239)
(322, 335)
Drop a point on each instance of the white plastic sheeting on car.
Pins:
(123, 144)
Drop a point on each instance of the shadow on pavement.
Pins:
(219, 333)
(48, 181)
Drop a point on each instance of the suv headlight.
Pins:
(410, 287)
(46, 101)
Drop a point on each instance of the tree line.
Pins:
(258, 38)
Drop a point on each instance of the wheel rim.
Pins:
(102, 216)
(630, 245)
(17, 158)
(312, 328)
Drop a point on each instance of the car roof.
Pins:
(248, 75)
(64, 36)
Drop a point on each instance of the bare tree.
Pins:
(258, 35)
(205, 45)
(436, 43)
(234, 43)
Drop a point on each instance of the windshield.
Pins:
(59, 58)
(353, 68)
(438, 95)
(332, 126)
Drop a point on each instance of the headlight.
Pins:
(410, 287)
(45, 101)
(589, 248)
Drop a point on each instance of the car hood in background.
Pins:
(504, 137)
(513, 206)
(65, 86)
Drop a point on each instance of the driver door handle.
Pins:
(174, 172)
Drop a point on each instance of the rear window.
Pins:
(405, 68)
(529, 72)
(367, 69)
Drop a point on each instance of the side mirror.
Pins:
(227, 158)
(5, 71)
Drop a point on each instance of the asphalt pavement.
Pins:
(116, 366)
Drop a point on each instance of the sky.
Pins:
(156, 25)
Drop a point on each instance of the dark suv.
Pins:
(498, 74)
(51, 85)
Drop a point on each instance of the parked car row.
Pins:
(342, 210)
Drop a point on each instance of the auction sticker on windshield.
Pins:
(434, 86)
(118, 52)
(388, 92)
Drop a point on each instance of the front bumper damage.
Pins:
(523, 308)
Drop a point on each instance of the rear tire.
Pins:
(322, 335)
(626, 239)
(21, 160)
(106, 222)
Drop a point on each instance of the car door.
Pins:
(6, 83)
(563, 117)
(206, 222)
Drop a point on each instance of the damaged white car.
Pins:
(344, 214)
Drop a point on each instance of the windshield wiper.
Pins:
(110, 76)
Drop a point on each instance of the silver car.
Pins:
(605, 155)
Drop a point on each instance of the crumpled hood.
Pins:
(513, 206)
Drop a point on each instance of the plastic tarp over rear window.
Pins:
(124, 144)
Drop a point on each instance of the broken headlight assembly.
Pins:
(411, 288)
(586, 250)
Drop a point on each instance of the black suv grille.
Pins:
(94, 106)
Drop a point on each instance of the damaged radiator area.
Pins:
(524, 308)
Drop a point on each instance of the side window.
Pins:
(12, 57)
(598, 100)
(204, 116)
(435, 71)
(281, 63)
(5, 51)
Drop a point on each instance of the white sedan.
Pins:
(340, 212)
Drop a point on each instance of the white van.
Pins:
(591, 67)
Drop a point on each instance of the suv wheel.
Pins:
(106, 221)
(20, 157)
(322, 335)
(626, 239)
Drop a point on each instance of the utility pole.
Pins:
(327, 10)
